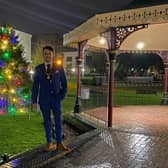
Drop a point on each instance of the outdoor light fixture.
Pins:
(58, 62)
(83, 69)
(140, 45)
(31, 72)
(102, 40)
(73, 69)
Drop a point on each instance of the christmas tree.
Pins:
(15, 81)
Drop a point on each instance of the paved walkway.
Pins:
(138, 139)
(118, 149)
(138, 119)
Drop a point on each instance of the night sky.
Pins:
(59, 16)
(53, 16)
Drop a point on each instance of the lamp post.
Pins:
(78, 101)
(79, 61)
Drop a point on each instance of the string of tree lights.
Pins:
(15, 82)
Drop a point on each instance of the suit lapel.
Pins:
(43, 68)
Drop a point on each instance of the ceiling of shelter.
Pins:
(149, 39)
(55, 16)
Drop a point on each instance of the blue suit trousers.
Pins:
(53, 105)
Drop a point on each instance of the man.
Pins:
(50, 87)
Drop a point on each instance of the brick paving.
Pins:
(118, 149)
(138, 139)
(138, 119)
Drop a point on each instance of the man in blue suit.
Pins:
(49, 89)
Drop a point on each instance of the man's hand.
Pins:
(35, 107)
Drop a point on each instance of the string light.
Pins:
(6, 55)
(10, 75)
(14, 40)
(21, 110)
(1, 63)
(14, 100)
(26, 97)
(5, 42)
(7, 71)
(4, 30)
(12, 110)
(1, 77)
(18, 83)
(3, 47)
(12, 91)
(4, 90)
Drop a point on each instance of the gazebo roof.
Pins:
(92, 28)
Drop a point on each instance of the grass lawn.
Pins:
(128, 96)
(19, 134)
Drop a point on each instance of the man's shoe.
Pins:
(62, 147)
(50, 147)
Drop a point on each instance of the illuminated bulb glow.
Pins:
(5, 42)
(3, 47)
(140, 45)
(21, 110)
(31, 72)
(102, 40)
(59, 62)
(4, 90)
(73, 69)
(12, 91)
(9, 77)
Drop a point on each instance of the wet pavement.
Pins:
(118, 149)
(138, 139)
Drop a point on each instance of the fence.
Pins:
(124, 94)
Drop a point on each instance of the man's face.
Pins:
(48, 56)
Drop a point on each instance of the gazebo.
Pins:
(133, 30)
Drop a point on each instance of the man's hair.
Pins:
(48, 48)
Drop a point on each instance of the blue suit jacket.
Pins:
(43, 89)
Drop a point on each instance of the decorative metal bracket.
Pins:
(116, 35)
(123, 32)
(163, 55)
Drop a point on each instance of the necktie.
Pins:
(48, 68)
